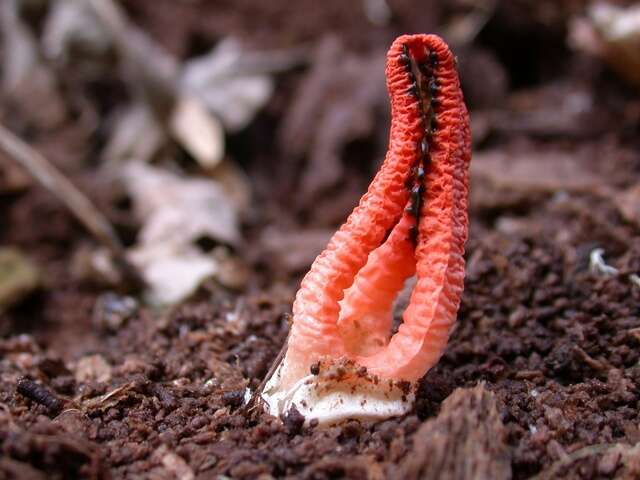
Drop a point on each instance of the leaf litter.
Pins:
(168, 250)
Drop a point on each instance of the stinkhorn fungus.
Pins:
(341, 359)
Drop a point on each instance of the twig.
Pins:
(86, 212)
(155, 72)
(250, 405)
(597, 365)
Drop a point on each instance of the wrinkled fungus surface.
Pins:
(411, 221)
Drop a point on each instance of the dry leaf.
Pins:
(172, 275)
(329, 111)
(71, 30)
(193, 100)
(560, 109)
(235, 183)
(521, 173)
(182, 217)
(294, 251)
(612, 33)
(175, 207)
(19, 46)
(136, 135)
(533, 171)
(109, 399)
(200, 132)
(232, 92)
(467, 439)
(27, 81)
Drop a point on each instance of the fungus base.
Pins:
(338, 392)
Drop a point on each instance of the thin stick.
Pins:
(154, 71)
(250, 405)
(53, 180)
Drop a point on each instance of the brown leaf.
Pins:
(555, 110)
(520, 173)
(330, 110)
(545, 171)
(173, 251)
(27, 81)
(294, 251)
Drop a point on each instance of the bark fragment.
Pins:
(465, 441)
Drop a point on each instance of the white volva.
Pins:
(329, 400)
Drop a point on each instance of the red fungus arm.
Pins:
(442, 233)
(366, 310)
(424, 172)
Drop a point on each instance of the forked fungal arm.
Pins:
(341, 361)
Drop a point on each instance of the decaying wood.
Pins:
(465, 441)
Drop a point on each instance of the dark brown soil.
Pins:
(542, 374)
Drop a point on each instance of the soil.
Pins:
(541, 377)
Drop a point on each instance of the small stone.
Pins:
(315, 368)
(234, 398)
(294, 421)
(111, 311)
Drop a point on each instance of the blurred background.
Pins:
(227, 140)
(158, 152)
